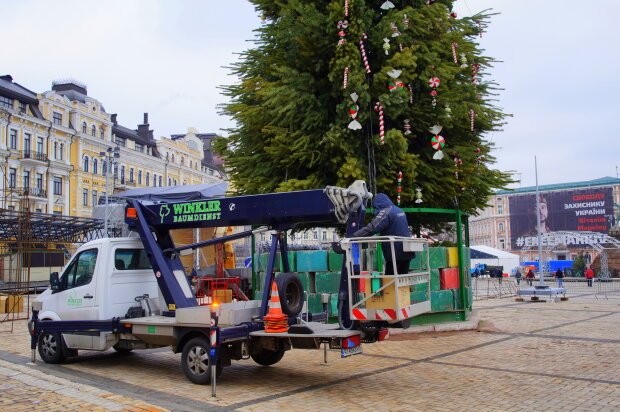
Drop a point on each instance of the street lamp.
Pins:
(110, 155)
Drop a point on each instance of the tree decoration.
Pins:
(479, 158)
(407, 127)
(386, 46)
(453, 15)
(353, 110)
(457, 163)
(379, 109)
(399, 187)
(346, 8)
(405, 20)
(448, 111)
(410, 87)
(387, 5)
(463, 61)
(342, 25)
(475, 69)
(455, 56)
(418, 195)
(345, 79)
(363, 51)
(434, 83)
(472, 116)
(395, 31)
(395, 82)
(437, 141)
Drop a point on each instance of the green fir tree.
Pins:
(292, 109)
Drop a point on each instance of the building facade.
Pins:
(583, 209)
(56, 151)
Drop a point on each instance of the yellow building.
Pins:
(56, 147)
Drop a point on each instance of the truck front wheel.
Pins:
(51, 348)
(195, 361)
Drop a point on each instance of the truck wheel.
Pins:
(291, 293)
(268, 357)
(51, 348)
(195, 361)
(121, 349)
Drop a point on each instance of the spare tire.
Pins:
(291, 293)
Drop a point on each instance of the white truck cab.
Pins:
(101, 281)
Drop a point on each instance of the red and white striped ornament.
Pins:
(475, 69)
(455, 55)
(364, 57)
(379, 109)
(345, 80)
(472, 117)
(407, 127)
(399, 187)
(434, 82)
(457, 163)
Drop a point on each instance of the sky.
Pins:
(557, 65)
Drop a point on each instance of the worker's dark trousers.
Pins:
(401, 265)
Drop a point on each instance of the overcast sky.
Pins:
(559, 69)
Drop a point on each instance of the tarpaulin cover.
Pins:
(171, 194)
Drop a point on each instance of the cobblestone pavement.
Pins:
(524, 356)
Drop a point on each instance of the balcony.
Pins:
(30, 192)
(32, 155)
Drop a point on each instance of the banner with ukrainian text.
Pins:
(585, 210)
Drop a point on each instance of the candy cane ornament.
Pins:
(379, 109)
(345, 80)
(455, 53)
(399, 187)
(364, 57)
(346, 8)
(472, 116)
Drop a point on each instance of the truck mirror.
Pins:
(54, 282)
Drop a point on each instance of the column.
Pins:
(50, 193)
(66, 210)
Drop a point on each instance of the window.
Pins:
(13, 139)
(27, 137)
(324, 235)
(172, 158)
(501, 227)
(86, 163)
(131, 259)
(190, 163)
(22, 107)
(120, 141)
(61, 150)
(175, 182)
(146, 181)
(39, 181)
(160, 179)
(84, 127)
(58, 185)
(131, 174)
(139, 147)
(169, 182)
(40, 145)
(139, 177)
(502, 243)
(315, 235)
(80, 271)
(12, 178)
(57, 118)
(104, 167)
(95, 166)
(85, 197)
(182, 161)
(122, 174)
(210, 172)
(93, 130)
(94, 194)
(26, 179)
(55, 150)
(306, 235)
(6, 102)
(102, 132)
(500, 209)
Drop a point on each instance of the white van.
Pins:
(101, 281)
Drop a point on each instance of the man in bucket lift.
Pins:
(390, 221)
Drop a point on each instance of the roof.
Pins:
(487, 252)
(16, 91)
(128, 133)
(603, 181)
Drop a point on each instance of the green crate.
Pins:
(304, 277)
(292, 261)
(457, 298)
(419, 261)
(420, 287)
(442, 300)
(418, 296)
(327, 282)
(435, 280)
(466, 256)
(312, 261)
(315, 304)
(334, 261)
(438, 257)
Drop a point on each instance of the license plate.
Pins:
(350, 351)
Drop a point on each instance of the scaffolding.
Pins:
(26, 236)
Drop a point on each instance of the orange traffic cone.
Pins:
(275, 321)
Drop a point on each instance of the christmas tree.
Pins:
(341, 90)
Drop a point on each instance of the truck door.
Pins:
(77, 299)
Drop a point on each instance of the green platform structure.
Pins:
(319, 271)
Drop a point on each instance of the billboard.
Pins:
(584, 210)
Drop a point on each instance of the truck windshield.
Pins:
(131, 259)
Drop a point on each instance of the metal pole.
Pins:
(107, 172)
(540, 262)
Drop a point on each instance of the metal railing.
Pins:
(31, 191)
(31, 154)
